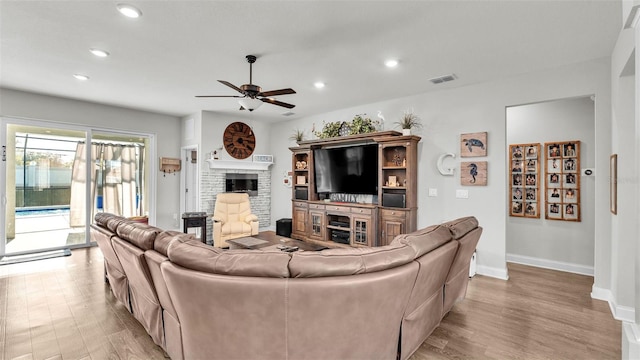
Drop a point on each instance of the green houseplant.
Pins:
(297, 136)
(408, 121)
(359, 125)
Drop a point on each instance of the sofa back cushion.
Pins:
(164, 239)
(141, 235)
(462, 226)
(348, 261)
(195, 255)
(424, 240)
(348, 317)
(102, 218)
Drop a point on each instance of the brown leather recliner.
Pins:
(232, 218)
(102, 231)
(132, 240)
(467, 233)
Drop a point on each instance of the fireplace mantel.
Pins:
(238, 165)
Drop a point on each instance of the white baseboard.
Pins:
(550, 264)
(619, 312)
(630, 341)
(492, 272)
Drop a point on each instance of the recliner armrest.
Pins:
(250, 218)
(217, 219)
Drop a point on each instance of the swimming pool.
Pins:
(42, 211)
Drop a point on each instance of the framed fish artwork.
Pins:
(473, 144)
(473, 173)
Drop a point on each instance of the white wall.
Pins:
(448, 113)
(562, 245)
(166, 130)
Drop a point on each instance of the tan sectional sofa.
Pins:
(201, 302)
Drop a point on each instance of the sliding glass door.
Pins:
(55, 183)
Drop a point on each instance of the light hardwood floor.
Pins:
(62, 309)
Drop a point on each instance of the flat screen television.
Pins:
(347, 170)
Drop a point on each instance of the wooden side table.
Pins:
(191, 220)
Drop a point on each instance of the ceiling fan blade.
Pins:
(277, 92)
(230, 85)
(276, 102)
(232, 96)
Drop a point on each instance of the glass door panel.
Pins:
(40, 168)
(119, 174)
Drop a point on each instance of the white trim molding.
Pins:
(492, 272)
(550, 264)
(619, 312)
(238, 165)
(630, 341)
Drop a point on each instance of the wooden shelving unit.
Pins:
(368, 224)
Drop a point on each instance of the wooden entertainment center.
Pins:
(358, 224)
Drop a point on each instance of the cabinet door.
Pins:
(299, 221)
(390, 229)
(362, 231)
(316, 219)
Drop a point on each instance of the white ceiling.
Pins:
(178, 49)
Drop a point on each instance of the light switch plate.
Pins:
(433, 192)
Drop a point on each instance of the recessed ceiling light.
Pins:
(129, 10)
(391, 63)
(99, 53)
(319, 85)
(81, 77)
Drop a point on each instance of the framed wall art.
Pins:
(562, 180)
(473, 144)
(473, 173)
(524, 180)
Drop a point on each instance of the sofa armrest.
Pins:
(250, 218)
(217, 220)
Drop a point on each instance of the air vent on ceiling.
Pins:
(288, 113)
(443, 79)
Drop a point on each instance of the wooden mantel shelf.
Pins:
(238, 165)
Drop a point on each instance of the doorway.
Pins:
(55, 183)
(546, 241)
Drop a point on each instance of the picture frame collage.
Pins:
(524, 180)
(562, 181)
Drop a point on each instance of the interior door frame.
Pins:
(184, 151)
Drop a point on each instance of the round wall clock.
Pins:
(239, 140)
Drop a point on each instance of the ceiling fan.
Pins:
(252, 95)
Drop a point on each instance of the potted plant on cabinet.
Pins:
(297, 136)
(408, 121)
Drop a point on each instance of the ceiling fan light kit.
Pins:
(252, 95)
(249, 103)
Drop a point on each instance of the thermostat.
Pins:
(588, 172)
